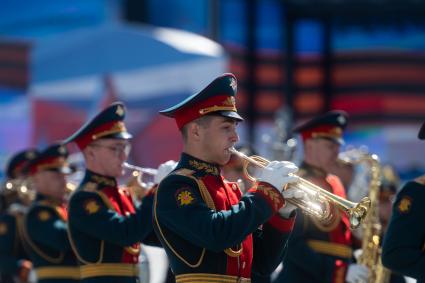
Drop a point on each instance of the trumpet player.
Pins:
(105, 227)
(14, 261)
(321, 250)
(45, 224)
(403, 247)
(210, 232)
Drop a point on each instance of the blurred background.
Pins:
(63, 61)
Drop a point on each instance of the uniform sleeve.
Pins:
(45, 227)
(270, 244)
(88, 213)
(8, 262)
(148, 236)
(301, 255)
(181, 209)
(403, 247)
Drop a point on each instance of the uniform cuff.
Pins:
(273, 197)
(284, 225)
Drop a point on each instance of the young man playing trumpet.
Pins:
(210, 232)
(321, 251)
(105, 227)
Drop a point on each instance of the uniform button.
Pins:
(234, 187)
(127, 213)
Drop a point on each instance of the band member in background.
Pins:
(45, 224)
(322, 251)
(15, 194)
(105, 227)
(210, 232)
(403, 247)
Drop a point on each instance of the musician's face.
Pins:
(324, 152)
(106, 156)
(50, 183)
(216, 138)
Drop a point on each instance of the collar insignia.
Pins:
(205, 167)
(90, 186)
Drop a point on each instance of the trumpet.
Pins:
(20, 188)
(136, 184)
(140, 170)
(318, 201)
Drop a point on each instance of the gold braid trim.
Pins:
(206, 196)
(209, 278)
(198, 263)
(74, 246)
(332, 249)
(130, 250)
(58, 272)
(27, 239)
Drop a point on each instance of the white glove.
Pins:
(357, 273)
(163, 170)
(276, 174)
(290, 193)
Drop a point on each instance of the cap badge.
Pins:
(30, 155)
(233, 84)
(119, 111)
(62, 150)
(341, 119)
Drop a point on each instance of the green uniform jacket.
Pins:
(316, 252)
(403, 247)
(45, 235)
(211, 232)
(106, 230)
(11, 249)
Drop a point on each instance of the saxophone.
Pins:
(372, 228)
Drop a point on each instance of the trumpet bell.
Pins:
(318, 201)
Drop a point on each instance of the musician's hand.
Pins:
(357, 273)
(288, 208)
(163, 170)
(24, 270)
(276, 174)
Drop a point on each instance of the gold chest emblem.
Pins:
(405, 205)
(185, 198)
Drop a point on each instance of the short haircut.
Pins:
(203, 121)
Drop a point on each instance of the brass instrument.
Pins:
(372, 228)
(318, 201)
(136, 184)
(21, 188)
